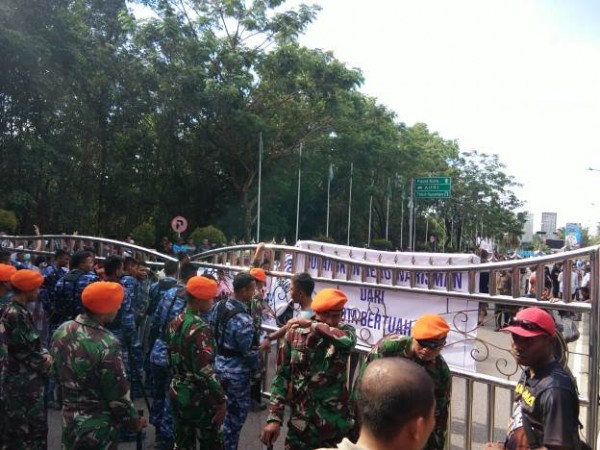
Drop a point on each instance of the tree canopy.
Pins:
(110, 122)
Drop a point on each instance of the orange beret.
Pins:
(430, 326)
(259, 274)
(26, 280)
(328, 299)
(6, 271)
(103, 297)
(201, 288)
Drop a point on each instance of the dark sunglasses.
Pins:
(432, 344)
(526, 325)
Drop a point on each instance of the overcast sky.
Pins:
(517, 78)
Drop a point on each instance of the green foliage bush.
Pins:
(144, 235)
(8, 221)
(383, 244)
(213, 234)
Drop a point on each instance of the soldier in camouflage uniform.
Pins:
(197, 398)
(256, 312)
(171, 304)
(27, 364)
(428, 336)
(237, 354)
(65, 303)
(6, 271)
(52, 273)
(311, 377)
(89, 366)
(124, 328)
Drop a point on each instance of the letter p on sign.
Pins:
(179, 224)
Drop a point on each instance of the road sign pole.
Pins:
(411, 213)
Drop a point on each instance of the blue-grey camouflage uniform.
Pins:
(170, 306)
(236, 358)
(124, 328)
(65, 304)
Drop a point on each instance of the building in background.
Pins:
(528, 229)
(549, 223)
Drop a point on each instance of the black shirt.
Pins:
(550, 402)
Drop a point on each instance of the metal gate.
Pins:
(479, 400)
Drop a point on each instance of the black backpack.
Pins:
(156, 293)
(222, 317)
(66, 302)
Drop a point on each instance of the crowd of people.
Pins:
(109, 330)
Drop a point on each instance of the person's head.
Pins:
(83, 260)
(187, 272)
(183, 258)
(61, 258)
(532, 331)
(260, 276)
(26, 284)
(396, 405)
(113, 267)
(328, 306)
(301, 288)
(102, 300)
(170, 268)
(130, 265)
(6, 272)
(4, 257)
(429, 334)
(200, 293)
(244, 286)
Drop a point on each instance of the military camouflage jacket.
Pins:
(256, 312)
(24, 358)
(89, 366)
(311, 377)
(191, 355)
(398, 345)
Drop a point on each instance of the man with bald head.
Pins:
(396, 407)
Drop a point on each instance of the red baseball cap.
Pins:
(532, 322)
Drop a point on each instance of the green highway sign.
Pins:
(433, 187)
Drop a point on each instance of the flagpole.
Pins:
(298, 203)
(370, 208)
(402, 220)
(260, 152)
(387, 210)
(329, 178)
(350, 203)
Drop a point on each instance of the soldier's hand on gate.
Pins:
(47, 361)
(139, 423)
(219, 416)
(494, 446)
(270, 433)
(265, 346)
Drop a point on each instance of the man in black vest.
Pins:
(546, 409)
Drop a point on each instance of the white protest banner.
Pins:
(328, 268)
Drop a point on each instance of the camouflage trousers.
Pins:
(133, 360)
(25, 415)
(307, 435)
(237, 389)
(192, 418)
(85, 431)
(160, 412)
